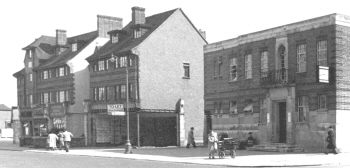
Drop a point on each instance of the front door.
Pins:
(282, 122)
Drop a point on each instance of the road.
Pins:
(15, 159)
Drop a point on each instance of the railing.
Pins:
(275, 77)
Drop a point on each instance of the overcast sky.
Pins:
(24, 20)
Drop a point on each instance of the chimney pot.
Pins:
(138, 15)
(108, 23)
(61, 37)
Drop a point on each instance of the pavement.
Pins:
(197, 155)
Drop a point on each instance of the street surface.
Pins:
(17, 159)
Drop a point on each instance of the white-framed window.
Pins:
(61, 71)
(233, 107)
(248, 105)
(303, 108)
(45, 74)
(123, 91)
(137, 33)
(123, 61)
(107, 64)
(61, 97)
(220, 67)
(248, 66)
(233, 69)
(102, 93)
(115, 38)
(46, 97)
(264, 64)
(301, 57)
(95, 93)
(30, 77)
(30, 64)
(322, 53)
(74, 47)
(322, 102)
(101, 65)
(186, 67)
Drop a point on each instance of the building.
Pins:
(55, 81)
(286, 84)
(5, 121)
(162, 55)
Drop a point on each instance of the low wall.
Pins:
(40, 142)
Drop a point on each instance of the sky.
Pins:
(23, 21)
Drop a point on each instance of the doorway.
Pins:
(282, 110)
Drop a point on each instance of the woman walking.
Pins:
(212, 144)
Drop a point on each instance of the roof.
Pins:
(43, 39)
(4, 108)
(21, 72)
(83, 40)
(128, 42)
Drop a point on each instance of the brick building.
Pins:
(55, 80)
(163, 55)
(286, 84)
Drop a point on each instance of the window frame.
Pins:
(122, 91)
(301, 52)
(233, 69)
(323, 51)
(101, 65)
(61, 71)
(264, 64)
(248, 66)
(30, 64)
(320, 97)
(74, 47)
(303, 103)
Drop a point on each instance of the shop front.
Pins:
(57, 116)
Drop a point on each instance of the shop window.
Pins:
(303, 108)
(40, 130)
(26, 129)
(248, 105)
(233, 107)
(8, 124)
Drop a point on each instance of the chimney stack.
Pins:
(61, 37)
(108, 23)
(202, 33)
(138, 15)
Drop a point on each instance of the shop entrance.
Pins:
(282, 124)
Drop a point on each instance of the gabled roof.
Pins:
(21, 72)
(129, 42)
(83, 40)
(43, 39)
(4, 108)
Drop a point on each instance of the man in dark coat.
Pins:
(331, 141)
(190, 139)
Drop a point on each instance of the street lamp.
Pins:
(127, 144)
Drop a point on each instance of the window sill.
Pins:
(232, 81)
(300, 72)
(185, 77)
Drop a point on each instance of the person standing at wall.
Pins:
(190, 139)
(67, 137)
(212, 144)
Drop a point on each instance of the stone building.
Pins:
(286, 84)
(163, 55)
(55, 80)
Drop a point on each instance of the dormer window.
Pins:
(137, 33)
(114, 38)
(74, 47)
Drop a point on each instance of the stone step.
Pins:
(276, 147)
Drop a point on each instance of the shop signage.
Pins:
(38, 113)
(115, 109)
(56, 110)
(323, 76)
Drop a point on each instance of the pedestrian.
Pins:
(60, 140)
(67, 137)
(190, 139)
(212, 144)
(52, 138)
(331, 147)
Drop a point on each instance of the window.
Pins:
(61, 98)
(117, 92)
(46, 97)
(301, 57)
(66, 70)
(130, 91)
(123, 61)
(49, 73)
(233, 69)
(233, 107)
(263, 111)
(30, 100)
(219, 67)
(122, 92)
(95, 93)
(248, 105)
(45, 74)
(137, 33)
(52, 97)
(248, 66)
(303, 108)
(101, 65)
(322, 53)
(115, 38)
(215, 108)
(102, 93)
(322, 101)
(30, 64)
(74, 47)
(220, 108)
(107, 62)
(66, 95)
(264, 64)
(117, 63)
(30, 77)
(215, 70)
(186, 70)
(61, 71)
(130, 61)
(29, 53)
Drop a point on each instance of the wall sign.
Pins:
(56, 110)
(323, 74)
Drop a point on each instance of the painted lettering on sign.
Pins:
(56, 110)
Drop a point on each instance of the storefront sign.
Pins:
(323, 76)
(115, 109)
(56, 110)
(38, 113)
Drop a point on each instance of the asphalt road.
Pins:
(16, 159)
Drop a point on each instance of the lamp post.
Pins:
(127, 143)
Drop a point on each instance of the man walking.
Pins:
(67, 137)
(190, 139)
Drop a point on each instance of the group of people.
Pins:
(63, 137)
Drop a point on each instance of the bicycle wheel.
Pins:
(233, 154)
(222, 155)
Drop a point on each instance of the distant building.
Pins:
(5, 120)
(55, 80)
(164, 57)
(286, 84)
